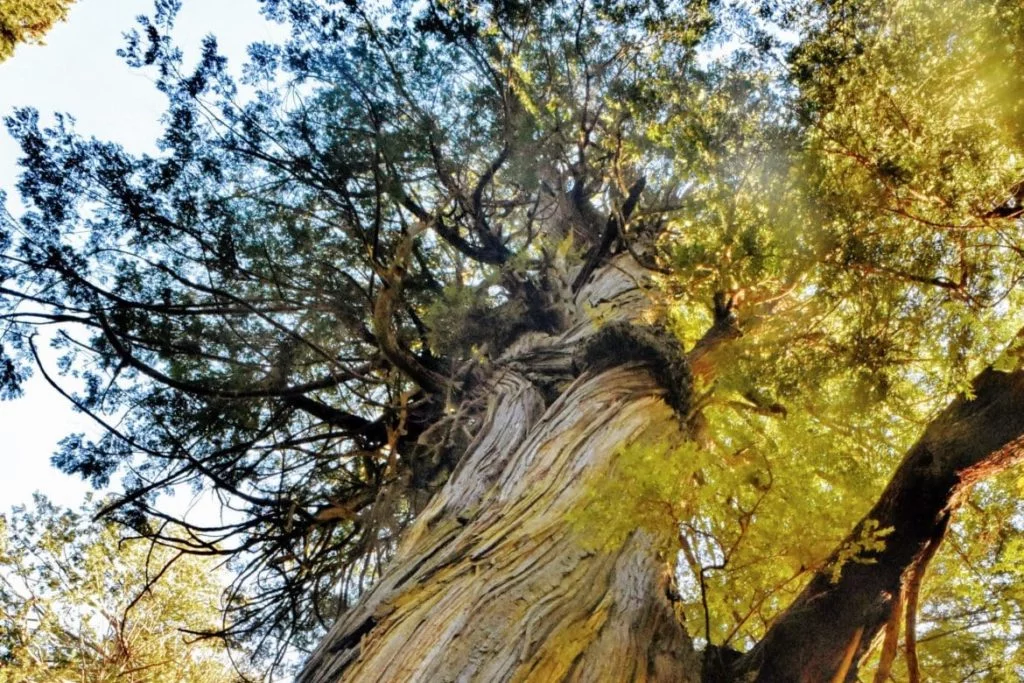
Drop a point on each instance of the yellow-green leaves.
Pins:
(915, 143)
(1012, 358)
(972, 603)
(26, 21)
(80, 601)
(868, 539)
(651, 485)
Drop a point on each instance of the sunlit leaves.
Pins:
(79, 600)
(973, 606)
(840, 181)
(650, 485)
(916, 133)
(27, 21)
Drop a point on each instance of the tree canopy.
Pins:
(84, 602)
(303, 301)
(27, 21)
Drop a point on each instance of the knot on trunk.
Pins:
(621, 342)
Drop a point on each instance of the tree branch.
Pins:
(972, 439)
(611, 231)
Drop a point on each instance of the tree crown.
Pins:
(300, 300)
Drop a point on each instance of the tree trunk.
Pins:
(492, 582)
(831, 625)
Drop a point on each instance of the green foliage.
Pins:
(871, 267)
(867, 539)
(80, 601)
(841, 181)
(972, 604)
(27, 21)
(465, 320)
(650, 485)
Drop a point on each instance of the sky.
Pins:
(78, 72)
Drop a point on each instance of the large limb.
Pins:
(824, 633)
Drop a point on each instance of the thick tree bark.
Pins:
(831, 625)
(493, 583)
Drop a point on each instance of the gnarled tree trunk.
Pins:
(493, 583)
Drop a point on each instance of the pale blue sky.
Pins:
(78, 72)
